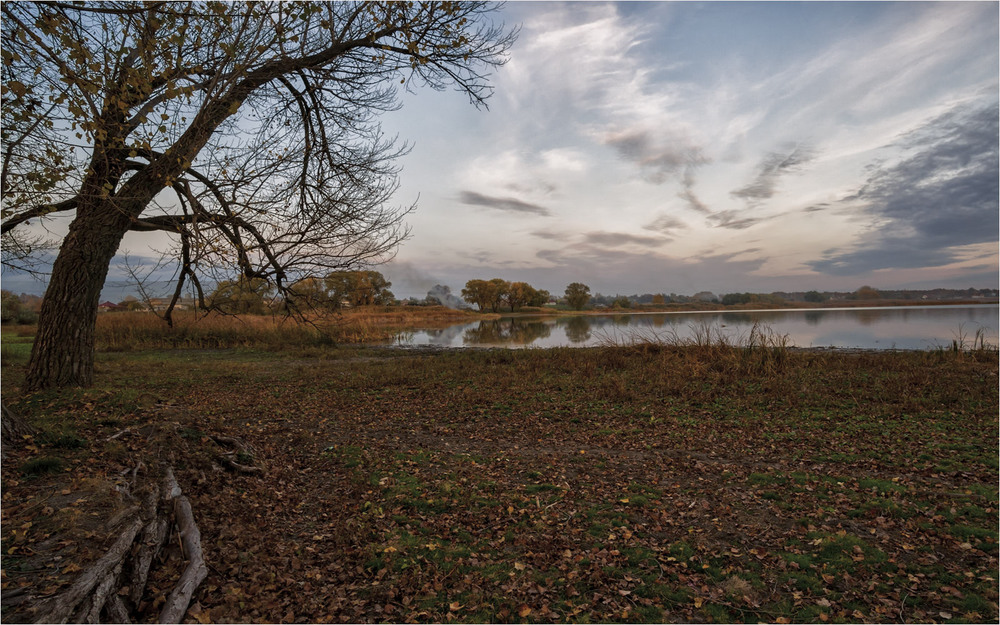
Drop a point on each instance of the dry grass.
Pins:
(139, 330)
(759, 350)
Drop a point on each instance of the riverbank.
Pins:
(717, 307)
(127, 331)
(642, 484)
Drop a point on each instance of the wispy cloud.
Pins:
(551, 235)
(659, 155)
(770, 169)
(506, 204)
(617, 239)
(688, 194)
(665, 224)
(734, 220)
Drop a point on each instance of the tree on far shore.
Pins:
(577, 295)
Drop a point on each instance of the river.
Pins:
(896, 327)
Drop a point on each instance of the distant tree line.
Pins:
(345, 289)
(21, 309)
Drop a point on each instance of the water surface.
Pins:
(897, 327)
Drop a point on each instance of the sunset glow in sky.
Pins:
(656, 147)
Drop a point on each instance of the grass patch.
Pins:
(43, 465)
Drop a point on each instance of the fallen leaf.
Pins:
(523, 610)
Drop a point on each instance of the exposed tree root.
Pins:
(237, 458)
(111, 589)
(178, 601)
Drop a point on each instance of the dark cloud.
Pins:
(771, 168)
(688, 193)
(615, 239)
(815, 208)
(728, 256)
(550, 235)
(659, 156)
(734, 220)
(665, 224)
(942, 196)
(508, 204)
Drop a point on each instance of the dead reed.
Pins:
(758, 350)
(142, 330)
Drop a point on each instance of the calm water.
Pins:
(909, 327)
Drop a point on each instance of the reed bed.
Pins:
(142, 330)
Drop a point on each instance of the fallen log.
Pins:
(196, 571)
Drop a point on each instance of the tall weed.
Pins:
(759, 351)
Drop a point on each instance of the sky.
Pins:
(656, 147)
(680, 147)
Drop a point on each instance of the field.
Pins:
(632, 484)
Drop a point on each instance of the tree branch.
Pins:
(38, 211)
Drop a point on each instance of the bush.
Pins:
(10, 307)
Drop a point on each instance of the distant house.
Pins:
(160, 304)
(108, 307)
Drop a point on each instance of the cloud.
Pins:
(733, 220)
(550, 235)
(665, 224)
(507, 204)
(815, 208)
(942, 195)
(611, 270)
(688, 193)
(564, 159)
(659, 155)
(770, 169)
(617, 239)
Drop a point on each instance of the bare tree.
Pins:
(248, 132)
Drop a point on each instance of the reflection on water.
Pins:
(911, 327)
(577, 329)
(502, 331)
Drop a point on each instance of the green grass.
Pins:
(43, 465)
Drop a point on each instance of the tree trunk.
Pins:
(63, 353)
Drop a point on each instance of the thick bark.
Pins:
(14, 428)
(63, 353)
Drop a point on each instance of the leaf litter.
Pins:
(562, 485)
